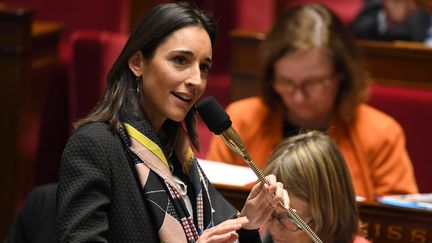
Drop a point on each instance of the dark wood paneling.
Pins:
(28, 52)
(245, 66)
(15, 43)
(398, 63)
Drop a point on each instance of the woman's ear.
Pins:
(136, 64)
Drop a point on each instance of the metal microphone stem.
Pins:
(234, 142)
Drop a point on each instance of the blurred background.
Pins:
(54, 58)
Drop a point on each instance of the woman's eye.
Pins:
(205, 67)
(180, 60)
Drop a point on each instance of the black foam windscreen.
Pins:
(214, 116)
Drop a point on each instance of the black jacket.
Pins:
(99, 196)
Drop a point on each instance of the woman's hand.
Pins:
(224, 232)
(261, 202)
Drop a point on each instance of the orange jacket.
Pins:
(373, 146)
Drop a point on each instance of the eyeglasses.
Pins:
(288, 223)
(309, 87)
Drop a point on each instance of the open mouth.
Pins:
(182, 97)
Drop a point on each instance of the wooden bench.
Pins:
(390, 63)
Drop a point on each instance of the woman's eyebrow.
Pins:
(190, 53)
(184, 52)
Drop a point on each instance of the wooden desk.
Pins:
(381, 223)
(385, 223)
(398, 63)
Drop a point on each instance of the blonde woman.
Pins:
(314, 172)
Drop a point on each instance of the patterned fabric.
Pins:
(100, 197)
(170, 214)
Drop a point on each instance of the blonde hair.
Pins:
(311, 167)
(308, 27)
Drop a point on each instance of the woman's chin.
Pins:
(178, 117)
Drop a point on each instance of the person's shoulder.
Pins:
(98, 130)
(375, 126)
(247, 106)
(375, 119)
(94, 133)
(93, 128)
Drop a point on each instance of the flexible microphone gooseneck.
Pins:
(218, 122)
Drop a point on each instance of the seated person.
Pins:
(313, 80)
(394, 20)
(37, 219)
(313, 170)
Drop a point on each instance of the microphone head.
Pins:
(213, 115)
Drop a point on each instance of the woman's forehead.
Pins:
(192, 38)
(305, 62)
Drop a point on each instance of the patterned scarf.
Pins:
(162, 193)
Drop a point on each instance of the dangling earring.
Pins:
(138, 82)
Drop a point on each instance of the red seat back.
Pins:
(93, 53)
(412, 108)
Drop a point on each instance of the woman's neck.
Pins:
(320, 124)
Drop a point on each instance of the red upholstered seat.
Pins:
(93, 53)
(79, 15)
(412, 108)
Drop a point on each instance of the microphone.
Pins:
(218, 122)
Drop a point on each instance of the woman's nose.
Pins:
(195, 77)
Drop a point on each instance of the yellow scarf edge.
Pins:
(145, 141)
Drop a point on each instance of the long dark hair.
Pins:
(120, 98)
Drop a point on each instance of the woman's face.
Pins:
(283, 230)
(176, 76)
(308, 87)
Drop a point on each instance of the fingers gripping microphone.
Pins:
(218, 122)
